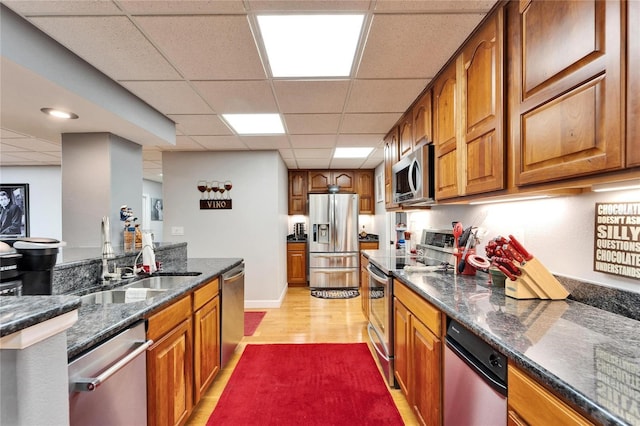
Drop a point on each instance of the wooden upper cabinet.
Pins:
(365, 189)
(320, 179)
(297, 192)
(405, 140)
(633, 83)
(565, 95)
(391, 157)
(445, 133)
(422, 113)
(483, 118)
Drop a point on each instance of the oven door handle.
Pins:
(371, 328)
(375, 276)
(333, 270)
(90, 384)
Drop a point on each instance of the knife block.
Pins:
(535, 282)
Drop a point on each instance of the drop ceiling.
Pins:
(194, 60)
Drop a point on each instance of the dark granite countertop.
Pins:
(589, 356)
(20, 312)
(99, 322)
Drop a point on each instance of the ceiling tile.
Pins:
(182, 7)
(369, 123)
(383, 95)
(9, 134)
(238, 96)
(41, 157)
(291, 163)
(219, 143)
(313, 164)
(32, 144)
(286, 153)
(412, 46)
(184, 143)
(266, 142)
(151, 154)
(297, 96)
(304, 124)
(313, 153)
(347, 163)
(207, 47)
(313, 141)
(63, 7)
(110, 43)
(169, 97)
(360, 140)
(434, 6)
(200, 124)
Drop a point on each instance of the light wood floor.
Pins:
(301, 319)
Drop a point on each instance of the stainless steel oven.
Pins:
(380, 328)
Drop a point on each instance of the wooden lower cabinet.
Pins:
(170, 377)
(206, 326)
(185, 356)
(531, 404)
(418, 354)
(297, 264)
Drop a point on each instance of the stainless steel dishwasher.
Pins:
(231, 312)
(108, 385)
(475, 380)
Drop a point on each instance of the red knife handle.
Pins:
(507, 263)
(506, 272)
(516, 244)
(508, 248)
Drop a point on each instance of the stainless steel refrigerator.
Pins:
(333, 242)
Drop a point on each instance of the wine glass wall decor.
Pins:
(215, 194)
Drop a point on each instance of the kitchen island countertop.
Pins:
(589, 356)
(99, 322)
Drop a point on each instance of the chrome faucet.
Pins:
(107, 251)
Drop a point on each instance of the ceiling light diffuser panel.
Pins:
(310, 46)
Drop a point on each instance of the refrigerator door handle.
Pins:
(333, 270)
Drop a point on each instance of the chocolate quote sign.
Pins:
(617, 239)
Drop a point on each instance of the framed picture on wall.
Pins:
(157, 207)
(14, 210)
(379, 188)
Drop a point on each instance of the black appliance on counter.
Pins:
(10, 281)
(39, 256)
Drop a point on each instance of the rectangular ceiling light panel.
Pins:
(255, 124)
(310, 45)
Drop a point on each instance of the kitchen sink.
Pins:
(163, 282)
(130, 295)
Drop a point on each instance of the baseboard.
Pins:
(266, 303)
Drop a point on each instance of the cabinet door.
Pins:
(345, 179)
(422, 120)
(390, 158)
(364, 188)
(319, 180)
(446, 133)
(170, 377)
(401, 346)
(483, 116)
(425, 372)
(406, 135)
(298, 192)
(206, 351)
(296, 264)
(565, 88)
(633, 83)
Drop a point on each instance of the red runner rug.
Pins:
(252, 321)
(306, 384)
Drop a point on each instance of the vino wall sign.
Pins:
(617, 239)
(215, 195)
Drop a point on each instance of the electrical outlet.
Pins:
(177, 230)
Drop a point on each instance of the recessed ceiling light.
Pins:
(310, 45)
(59, 113)
(255, 124)
(360, 152)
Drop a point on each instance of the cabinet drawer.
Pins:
(205, 293)
(423, 310)
(535, 405)
(163, 321)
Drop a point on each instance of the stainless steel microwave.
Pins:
(413, 177)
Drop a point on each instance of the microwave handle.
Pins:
(411, 167)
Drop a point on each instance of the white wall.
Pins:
(254, 229)
(558, 231)
(45, 197)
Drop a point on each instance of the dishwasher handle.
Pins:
(227, 278)
(90, 384)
